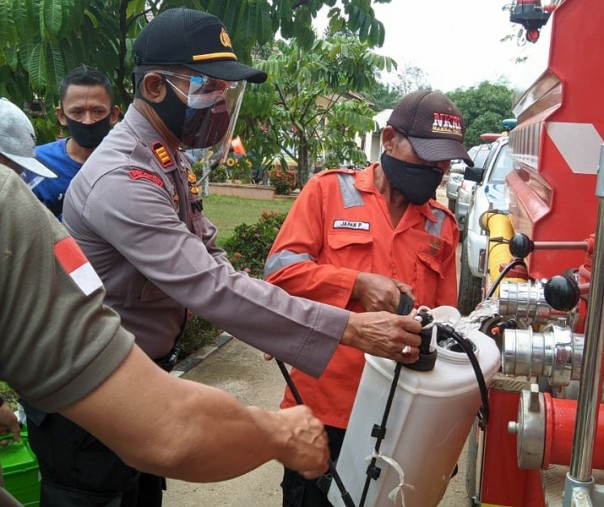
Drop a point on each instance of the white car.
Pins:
(455, 177)
(486, 195)
(478, 154)
(466, 186)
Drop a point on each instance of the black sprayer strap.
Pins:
(372, 473)
(404, 308)
(348, 502)
(466, 345)
(379, 432)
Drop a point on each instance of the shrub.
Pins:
(198, 334)
(283, 181)
(242, 170)
(219, 174)
(249, 245)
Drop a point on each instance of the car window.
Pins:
(473, 150)
(503, 165)
(481, 155)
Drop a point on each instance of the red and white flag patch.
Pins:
(77, 266)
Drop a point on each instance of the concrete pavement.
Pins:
(242, 371)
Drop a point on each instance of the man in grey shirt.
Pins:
(64, 351)
(134, 208)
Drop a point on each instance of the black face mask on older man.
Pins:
(416, 182)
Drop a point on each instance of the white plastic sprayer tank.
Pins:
(431, 417)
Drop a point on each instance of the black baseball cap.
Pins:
(194, 39)
(433, 125)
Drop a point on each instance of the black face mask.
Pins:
(196, 128)
(172, 111)
(89, 135)
(416, 182)
(205, 127)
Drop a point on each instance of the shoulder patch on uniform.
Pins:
(76, 265)
(437, 205)
(139, 174)
(162, 154)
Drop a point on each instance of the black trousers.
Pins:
(300, 492)
(78, 470)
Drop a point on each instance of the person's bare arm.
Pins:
(384, 334)
(176, 428)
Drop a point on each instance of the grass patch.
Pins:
(228, 212)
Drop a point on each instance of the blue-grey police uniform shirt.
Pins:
(135, 211)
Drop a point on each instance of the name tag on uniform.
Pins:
(347, 224)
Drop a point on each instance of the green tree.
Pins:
(406, 80)
(484, 107)
(315, 100)
(41, 40)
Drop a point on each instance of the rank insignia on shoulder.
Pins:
(162, 154)
(138, 174)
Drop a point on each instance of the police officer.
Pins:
(135, 210)
(85, 366)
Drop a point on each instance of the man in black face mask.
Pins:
(135, 210)
(87, 110)
(357, 239)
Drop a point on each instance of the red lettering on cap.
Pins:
(446, 123)
(137, 174)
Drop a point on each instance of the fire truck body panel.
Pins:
(556, 144)
(551, 196)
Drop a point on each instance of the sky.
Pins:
(458, 43)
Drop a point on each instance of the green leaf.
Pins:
(55, 68)
(36, 67)
(134, 7)
(52, 13)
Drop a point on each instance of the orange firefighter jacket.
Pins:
(339, 226)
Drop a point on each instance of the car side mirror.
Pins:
(474, 174)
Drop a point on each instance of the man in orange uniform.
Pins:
(355, 239)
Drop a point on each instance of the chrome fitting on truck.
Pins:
(530, 429)
(555, 353)
(524, 301)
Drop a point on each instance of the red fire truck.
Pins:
(543, 444)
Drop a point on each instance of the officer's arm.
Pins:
(185, 430)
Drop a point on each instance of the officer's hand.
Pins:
(307, 451)
(9, 423)
(378, 292)
(384, 334)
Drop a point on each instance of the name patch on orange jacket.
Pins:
(347, 224)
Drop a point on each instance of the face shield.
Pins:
(212, 108)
